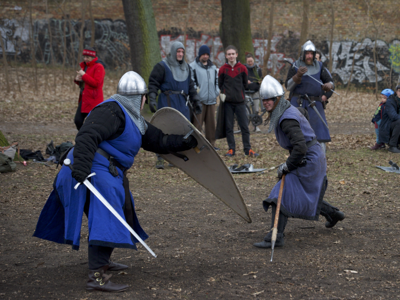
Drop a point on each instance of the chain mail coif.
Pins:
(132, 105)
(276, 114)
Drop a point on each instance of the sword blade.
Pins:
(319, 115)
(115, 213)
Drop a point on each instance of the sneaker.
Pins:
(230, 153)
(377, 146)
(394, 150)
(252, 153)
(257, 129)
(216, 148)
(160, 164)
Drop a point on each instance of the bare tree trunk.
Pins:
(51, 50)
(81, 37)
(376, 69)
(304, 24)
(142, 33)
(93, 34)
(235, 26)
(330, 64)
(33, 54)
(186, 27)
(3, 48)
(270, 27)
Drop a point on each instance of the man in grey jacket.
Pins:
(205, 77)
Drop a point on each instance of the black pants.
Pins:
(394, 133)
(79, 117)
(240, 111)
(98, 256)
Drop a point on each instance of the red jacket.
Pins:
(93, 91)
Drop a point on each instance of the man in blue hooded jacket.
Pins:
(205, 77)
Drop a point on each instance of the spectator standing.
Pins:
(90, 80)
(378, 117)
(254, 80)
(173, 77)
(205, 77)
(232, 81)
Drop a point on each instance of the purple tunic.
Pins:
(312, 88)
(304, 187)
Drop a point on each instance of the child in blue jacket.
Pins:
(378, 118)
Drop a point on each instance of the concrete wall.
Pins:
(359, 27)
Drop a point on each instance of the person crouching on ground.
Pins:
(107, 145)
(90, 80)
(305, 168)
(378, 117)
(389, 129)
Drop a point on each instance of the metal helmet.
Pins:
(308, 46)
(131, 83)
(270, 88)
(387, 92)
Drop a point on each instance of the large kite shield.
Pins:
(204, 164)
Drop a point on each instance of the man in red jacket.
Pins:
(90, 80)
(232, 81)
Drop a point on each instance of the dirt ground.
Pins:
(204, 249)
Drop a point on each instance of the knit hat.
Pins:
(204, 50)
(397, 87)
(89, 51)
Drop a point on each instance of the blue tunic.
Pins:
(177, 101)
(312, 88)
(61, 217)
(304, 187)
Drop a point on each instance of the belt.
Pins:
(113, 162)
(311, 143)
(312, 98)
(169, 92)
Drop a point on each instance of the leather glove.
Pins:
(190, 142)
(79, 175)
(326, 87)
(153, 102)
(197, 106)
(282, 169)
(300, 72)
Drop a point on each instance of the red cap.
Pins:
(89, 52)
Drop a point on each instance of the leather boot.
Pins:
(100, 281)
(332, 214)
(113, 266)
(280, 237)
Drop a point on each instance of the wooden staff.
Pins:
(278, 208)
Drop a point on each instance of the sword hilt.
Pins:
(67, 162)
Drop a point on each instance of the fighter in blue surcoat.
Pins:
(304, 89)
(305, 168)
(107, 144)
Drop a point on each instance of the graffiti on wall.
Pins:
(275, 62)
(359, 56)
(112, 45)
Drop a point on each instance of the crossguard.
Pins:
(67, 162)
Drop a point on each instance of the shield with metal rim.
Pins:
(203, 163)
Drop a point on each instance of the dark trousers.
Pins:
(79, 117)
(394, 133)
(207, 116)
(98, 256)
(240, 111)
